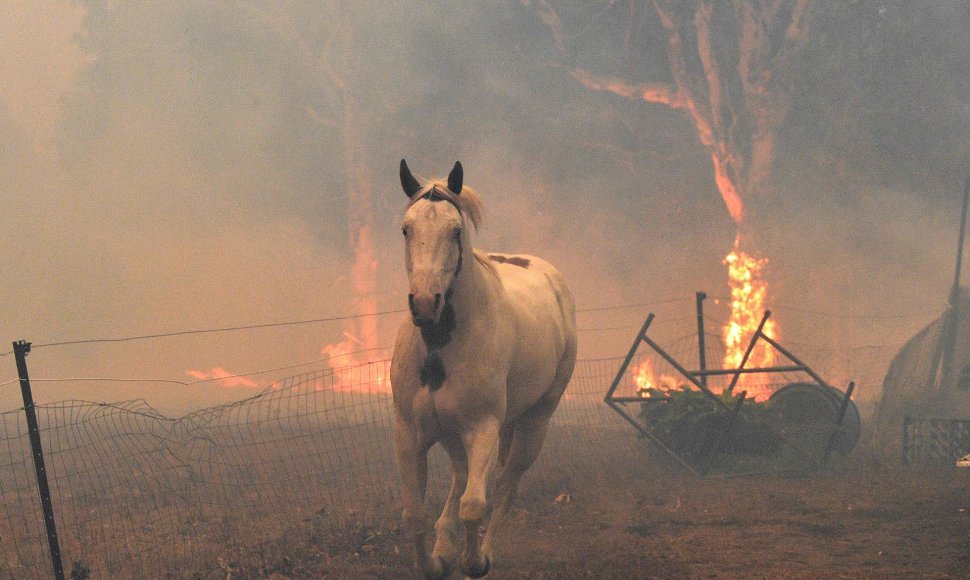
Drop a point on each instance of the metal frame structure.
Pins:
(934, 440)
(698, 378)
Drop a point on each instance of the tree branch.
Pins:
(678, 69)
(726, 163)
(548, 15)
(798, 27)
(705, 49)
(320, 119)
(765, 94)
(650, 92)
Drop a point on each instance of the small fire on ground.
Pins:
(749, 292)
(356, 367)
(352, 369)
(223, 378)
(650, 385)
(357, 363)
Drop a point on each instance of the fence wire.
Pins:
(137, 494)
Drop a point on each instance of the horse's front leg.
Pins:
(412, 458)
(480, 442)
(448, 529)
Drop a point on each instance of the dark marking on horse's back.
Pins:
(433, 373)
(513, 260)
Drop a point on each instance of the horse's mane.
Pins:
(489, 265)
(468, 202)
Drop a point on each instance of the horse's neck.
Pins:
(474, 289)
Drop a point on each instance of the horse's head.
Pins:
(434, 242)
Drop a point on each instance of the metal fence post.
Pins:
(701, 343)
(838, 422)
(20, 349)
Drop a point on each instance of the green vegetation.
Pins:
(709, 436)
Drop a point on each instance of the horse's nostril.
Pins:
(411, 302)
(437, 300)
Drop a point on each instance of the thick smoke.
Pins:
(179, 166)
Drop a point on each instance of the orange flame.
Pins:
(356, 368)
(648, 384)
(748, 296)
(357, 361)
(223, 378)
(644, 378)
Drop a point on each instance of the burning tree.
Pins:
(733, 85)
(319, 41)
(728, 64)
(326, 47)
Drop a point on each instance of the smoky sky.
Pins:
(171, 166)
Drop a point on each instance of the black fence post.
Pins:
(701, 343)
(21, 349)
(838, 422)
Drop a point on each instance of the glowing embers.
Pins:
(749, 293)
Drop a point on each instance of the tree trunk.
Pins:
(357, 180)
(736, 122)
(360, 221)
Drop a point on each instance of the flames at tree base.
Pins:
(747, 302)
(749, 292)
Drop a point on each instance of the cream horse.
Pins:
(480, 367)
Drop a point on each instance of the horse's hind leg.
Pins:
(530, 432)
(412, 457)
(505, 443)
(448, 528)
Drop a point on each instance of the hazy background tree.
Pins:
(324, 39)
(728, 70)
(196, 170)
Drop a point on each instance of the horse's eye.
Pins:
(404, 231)
(458, 234)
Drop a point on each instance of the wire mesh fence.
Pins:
(138, 494)
(935, 440)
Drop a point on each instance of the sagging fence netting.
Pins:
(137, 494)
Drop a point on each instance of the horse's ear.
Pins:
(455, 178)
(408, 182)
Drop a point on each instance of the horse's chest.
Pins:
(455, 370)
(459, 382)
(433, 373)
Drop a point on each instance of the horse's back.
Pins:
(545, 323)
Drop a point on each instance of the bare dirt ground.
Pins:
(629, 517)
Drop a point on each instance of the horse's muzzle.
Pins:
(425, 308)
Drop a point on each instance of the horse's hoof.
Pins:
(439, 570)
(479, 572)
